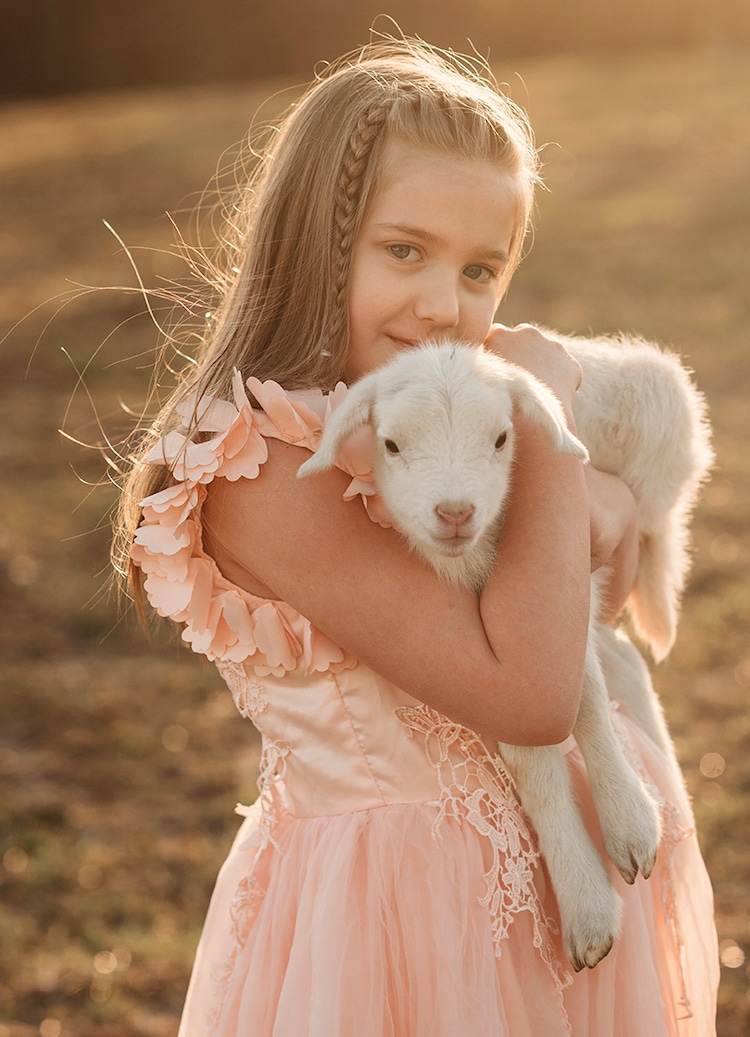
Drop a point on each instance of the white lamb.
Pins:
(443, 448)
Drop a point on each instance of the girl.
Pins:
(386, 881)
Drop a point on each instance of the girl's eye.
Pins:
(391, 447)
(501, 440)
(480, 274)
(402, 251)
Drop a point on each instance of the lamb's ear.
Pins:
(540, 404)
(351, 414)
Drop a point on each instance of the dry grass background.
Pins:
(121, 760)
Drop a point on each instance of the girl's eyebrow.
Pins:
(420, 233)
(405, 228)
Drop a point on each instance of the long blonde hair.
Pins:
(283, 307)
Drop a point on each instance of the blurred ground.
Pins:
(121, 760)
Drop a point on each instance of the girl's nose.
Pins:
(437, 303)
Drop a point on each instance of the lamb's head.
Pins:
(443, 444)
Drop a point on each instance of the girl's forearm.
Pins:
(535, 605)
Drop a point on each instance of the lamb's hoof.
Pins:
(645, 865)
(592, 955)
(636, 854)
(594, 928)
(648, 866)
(631, 835)
(629, 874)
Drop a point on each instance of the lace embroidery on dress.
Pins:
(673, 832)
(249, 696)
(249, 893)
(476, 787)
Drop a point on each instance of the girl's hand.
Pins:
(614, 536)
(543, 357)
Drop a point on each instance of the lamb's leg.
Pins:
(589, 906)
(628, 815)
(628, 681)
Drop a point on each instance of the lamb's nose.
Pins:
(454, 515)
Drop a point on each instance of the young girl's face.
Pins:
(430, 256)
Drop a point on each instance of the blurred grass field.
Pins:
(122, 759)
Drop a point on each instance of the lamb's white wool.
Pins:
(442, 418)
(642, 419)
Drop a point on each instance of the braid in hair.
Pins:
(348, 196)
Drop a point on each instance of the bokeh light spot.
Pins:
(123, 957)
(712, 765)
(711, 794)
(105, 962)
(23, 570)
(100, 990)
(15, 860)
(175, 738)
(724, 549)
(731, 954)
(164, 924)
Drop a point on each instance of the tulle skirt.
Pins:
(372, 924)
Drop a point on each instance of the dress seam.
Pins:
(356, 734)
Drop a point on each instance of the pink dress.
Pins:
(386, 882)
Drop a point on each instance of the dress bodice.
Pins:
(338, 738)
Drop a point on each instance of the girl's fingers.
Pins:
(547, 359)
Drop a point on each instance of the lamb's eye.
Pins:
(500, 441)
(391, 447)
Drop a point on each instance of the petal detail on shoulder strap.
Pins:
(220, 619)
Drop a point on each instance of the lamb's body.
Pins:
(442, 417)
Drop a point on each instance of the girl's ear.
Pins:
(351, 414)
(541, 405)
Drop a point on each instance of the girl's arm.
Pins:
(508, 664)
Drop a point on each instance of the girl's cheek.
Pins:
(480, 321)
